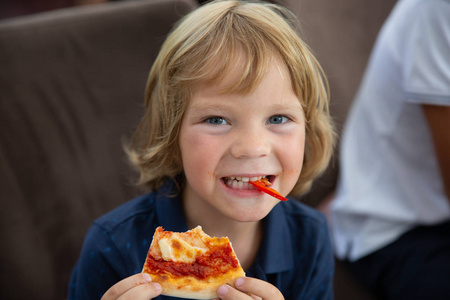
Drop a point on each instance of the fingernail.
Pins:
(222, 290)
(239, 282)
(157, 286)
(146, 277)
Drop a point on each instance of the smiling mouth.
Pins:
(242, 183)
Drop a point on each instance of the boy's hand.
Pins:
(135, 287)
(249, 288)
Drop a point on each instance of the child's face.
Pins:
(225, 137)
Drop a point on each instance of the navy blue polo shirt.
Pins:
(295, 254)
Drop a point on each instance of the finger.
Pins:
(126, 284)
(258, 288)
(226, 292)
(144, 291)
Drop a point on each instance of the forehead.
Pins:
(242, 74)
(273, 90)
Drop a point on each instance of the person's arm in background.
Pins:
(438, 118)
(431, 64)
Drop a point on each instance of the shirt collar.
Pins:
(169, 208)
(275, 254)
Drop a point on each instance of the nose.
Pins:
(251, 143)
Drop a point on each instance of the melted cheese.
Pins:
(176, 249)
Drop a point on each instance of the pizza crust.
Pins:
(192, 288)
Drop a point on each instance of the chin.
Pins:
(251, 214)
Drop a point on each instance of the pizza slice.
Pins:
(191, 264)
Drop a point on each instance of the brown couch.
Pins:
(71, 88)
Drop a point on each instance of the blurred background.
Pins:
(14, 8)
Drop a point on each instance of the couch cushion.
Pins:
(71, 87)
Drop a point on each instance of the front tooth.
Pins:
(245, 179)
(254, 179)
(232, 178)
(238, 178)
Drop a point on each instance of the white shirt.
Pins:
(390, 179)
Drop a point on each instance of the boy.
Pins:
(234, 95)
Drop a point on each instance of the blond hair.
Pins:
(202, 49)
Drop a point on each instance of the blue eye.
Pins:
(216, 121)
(277, 119)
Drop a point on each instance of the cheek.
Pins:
(294, 147)
(197, 153)
(189, 153)
(293, 161)
(292, 158)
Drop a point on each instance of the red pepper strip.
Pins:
(263, 188)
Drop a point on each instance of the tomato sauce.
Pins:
(217, 260)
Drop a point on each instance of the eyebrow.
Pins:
(219, 107)
(279, 106)
(208, 106)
